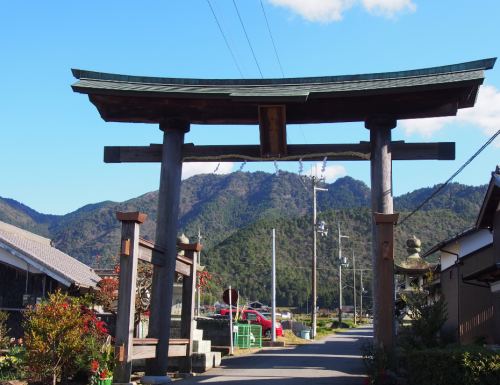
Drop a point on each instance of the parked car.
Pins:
(371, 319)
(257, 318)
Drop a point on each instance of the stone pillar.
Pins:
(380, 127)
(166, 237)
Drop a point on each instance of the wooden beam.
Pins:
(143, 351)
(182, 268)
(400, 151)
(151, 253)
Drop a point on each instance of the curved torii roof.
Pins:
(429, 92)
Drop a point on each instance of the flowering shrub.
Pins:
(53, 332)
(107, 294)
(60, 333)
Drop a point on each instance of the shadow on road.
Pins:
(334, 359)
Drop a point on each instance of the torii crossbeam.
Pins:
(379, 100)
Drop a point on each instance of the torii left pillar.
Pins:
(386, 331)
(166, 237)
(126, 299)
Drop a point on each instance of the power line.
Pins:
(228, 47)
(238, 12)
(270, 34)
(231, 36)
(452, 177)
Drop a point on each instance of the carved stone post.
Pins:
(166, 237)
(126, 297)
(386, 321)
(380, 127)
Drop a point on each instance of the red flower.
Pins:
(367, 380)
(97, 256)
(94, 366)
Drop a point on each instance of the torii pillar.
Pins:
(380, 127)
(166, 237)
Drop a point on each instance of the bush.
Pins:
(61, 333)
(426, 330)
(12, 365)
(345, 325)
(461, 365)
(4, 339)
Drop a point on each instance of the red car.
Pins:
(257, 318)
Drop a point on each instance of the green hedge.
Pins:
(345, 325)
(456, 365)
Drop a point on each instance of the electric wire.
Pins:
(231, 36)
(451, 178)
(271, 35)
(238, 12)
(235, 62)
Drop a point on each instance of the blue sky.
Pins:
(52, 139)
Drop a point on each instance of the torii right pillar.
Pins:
(380, 126)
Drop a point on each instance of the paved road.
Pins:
(332, 360)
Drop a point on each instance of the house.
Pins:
(258, 306)
(470, 263)
(31, 267)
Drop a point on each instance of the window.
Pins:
(251, 316)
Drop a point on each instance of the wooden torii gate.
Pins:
(134, 249)
(379, 100)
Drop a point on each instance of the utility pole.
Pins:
(273, 289)
(341, 261)
(323, 231)
(362, 290)
(354, 286)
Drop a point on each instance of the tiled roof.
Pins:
(291, 89)
(484, 64)
(41, 252)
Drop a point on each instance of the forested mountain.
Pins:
(244, 259)
(226, 206)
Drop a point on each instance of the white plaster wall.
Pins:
(447, 259)
(475, 241)
(465, 246)
(12, 260)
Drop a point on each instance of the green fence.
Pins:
(249, 336)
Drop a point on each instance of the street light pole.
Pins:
(340, 275)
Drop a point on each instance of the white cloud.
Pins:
(193, 168)
(389, 8)
(485, 115)
(425, 127)
(331, 10)
(331, 172)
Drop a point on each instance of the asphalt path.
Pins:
(335, 359)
